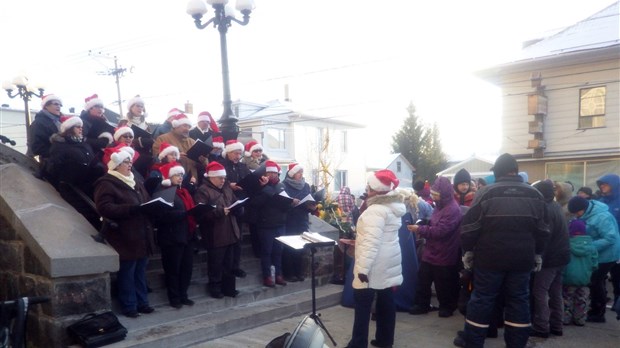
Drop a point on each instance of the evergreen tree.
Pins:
(420, 145)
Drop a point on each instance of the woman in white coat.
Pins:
(377, 265)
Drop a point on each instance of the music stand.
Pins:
(299, 243)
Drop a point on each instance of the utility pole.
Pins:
(117, 72)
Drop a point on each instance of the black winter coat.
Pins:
(172, 224)
(297, 219)
(42, 128)
(557, 252)
(116, 201)
(506, 225)
(74, 162)
(92, 128)
(268, 213)
(196, 134)
(234, 173)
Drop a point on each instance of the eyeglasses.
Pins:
(98, 106)
(127, 136)
(55, 104)
(139, 105)
(127, 162)
(257, 151)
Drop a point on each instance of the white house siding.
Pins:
(561, 126)
(12, 126)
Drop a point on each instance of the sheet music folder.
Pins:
(140, 133)
(306, 239)
(200, 148)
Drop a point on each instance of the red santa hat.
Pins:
(135, 100)
(173, 112)
(272, 167)
(129, 150)
(169, 170)
(206, 116)
(48, 98)
(92, 101)
(180, 119)
(294, 168)
(383, 180)
(233, 145)
(113, 157)
(218, 142)
(215, 169)
(120, 131)
(252, 146)
(69, 121)
(165, 149)
(120, 147)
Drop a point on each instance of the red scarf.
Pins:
(189, 204)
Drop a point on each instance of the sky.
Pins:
(356, 60)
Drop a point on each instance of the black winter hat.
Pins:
(586, 190)
(505, 164)
(461, 176)
(546, 188)
(577, 203)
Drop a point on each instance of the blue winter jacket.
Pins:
(583, 260)
(613, 199)
(603, 228)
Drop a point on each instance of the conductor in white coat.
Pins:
(377, 267)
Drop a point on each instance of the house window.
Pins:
(276, 139)
(399, 166)
(592, 107)
(340, 179)
(581, 173)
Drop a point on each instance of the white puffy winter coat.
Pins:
(377, 250)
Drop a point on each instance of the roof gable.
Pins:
(385, 162)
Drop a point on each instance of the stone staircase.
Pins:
(212, 318)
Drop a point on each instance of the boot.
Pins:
(268, 282)
(228, 286)
(215, 290)
(280, 280)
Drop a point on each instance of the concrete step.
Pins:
(210, 318)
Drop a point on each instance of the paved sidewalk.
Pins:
(423, 331)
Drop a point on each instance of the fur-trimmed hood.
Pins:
(391, 199)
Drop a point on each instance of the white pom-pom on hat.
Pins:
(383, 180)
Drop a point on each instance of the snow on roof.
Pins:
(597, 31)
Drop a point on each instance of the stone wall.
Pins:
(46, 249)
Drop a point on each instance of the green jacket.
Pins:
(583, 260)
(603, 228)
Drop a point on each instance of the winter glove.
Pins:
(362, 277)
(537, 263)
(468, 260)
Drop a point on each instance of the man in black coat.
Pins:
(504, 234)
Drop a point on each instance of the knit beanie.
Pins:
(577, 228)
(546, 188)
(505, 164)
(577, 203)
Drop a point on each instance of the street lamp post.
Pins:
(25, 92)
(222, 19)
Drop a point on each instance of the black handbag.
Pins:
(96, 330)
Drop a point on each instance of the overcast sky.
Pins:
(363, 61)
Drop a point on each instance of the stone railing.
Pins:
(46, 249)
